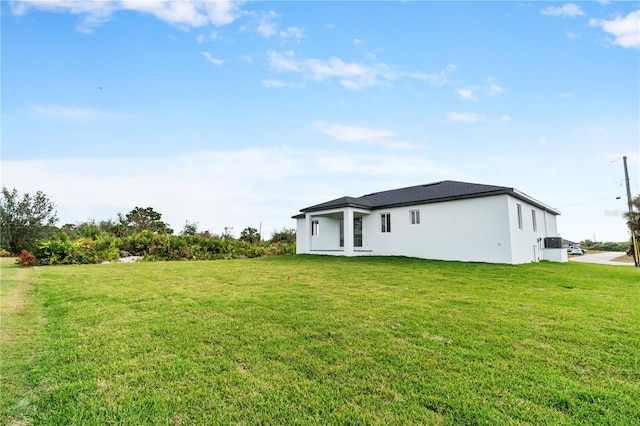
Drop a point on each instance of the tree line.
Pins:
(28, 229)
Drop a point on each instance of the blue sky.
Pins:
(241, 113)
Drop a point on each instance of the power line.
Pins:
(573, 194)
(587, 202)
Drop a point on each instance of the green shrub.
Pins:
(89, 230)
(107, 247)
(153, 247)
(4, 253)
(53, 252)
(83, 251)
(143, 243)
(286, 235)
(605, 246)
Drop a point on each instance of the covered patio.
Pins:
(338, 231)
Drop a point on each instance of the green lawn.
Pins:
(321, 340)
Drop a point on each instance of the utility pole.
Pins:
(626, 179)
(634, 247)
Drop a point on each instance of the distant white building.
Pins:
(445, 220)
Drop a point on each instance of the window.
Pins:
(415, 217)
(357, 231)
(314, 226)
(519, 216)
(533, 218)
(386, 222)
(341, 232)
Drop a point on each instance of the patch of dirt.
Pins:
(623, 258)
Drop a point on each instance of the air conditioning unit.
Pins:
(553, 242)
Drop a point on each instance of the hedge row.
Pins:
(152, 247)
(605, 246)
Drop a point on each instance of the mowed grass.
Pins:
(326, 340)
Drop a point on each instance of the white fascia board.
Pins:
(531, 200)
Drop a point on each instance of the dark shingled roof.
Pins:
(421, 194)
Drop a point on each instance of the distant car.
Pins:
(577, 251)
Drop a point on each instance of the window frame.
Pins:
(519, 211)
(385, 222)
(315, 227)
(534, 221)
(357, 236)
(415, 216)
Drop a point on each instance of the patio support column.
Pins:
(348, 231)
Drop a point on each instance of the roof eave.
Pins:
(524, 197)
(336, 206)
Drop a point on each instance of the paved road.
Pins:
(603, 258)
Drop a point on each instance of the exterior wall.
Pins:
(551, 221)
(328, 234)
(466, 230)
(302, 236)
(483, 229)
(326, 240)
(527, 243)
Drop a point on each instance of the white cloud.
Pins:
(192, 13)
(351, 133)
(385, 168)
(266, 25)
(569, 9)
(506, 118)
(357, 41)
(210, 36)
(222, 12)
(277, 84)
(94, 13)
(292, 32)
(352, 75)
(470, 93)
(466, 94)
(284, 62)
(494, 89)
(273, 83)
(216, 188)
(70, 113)
(436, 79)
(464, 117)
(625, 30)
(215, 61)
(361, 134)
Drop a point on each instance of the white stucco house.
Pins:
(445, 220)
